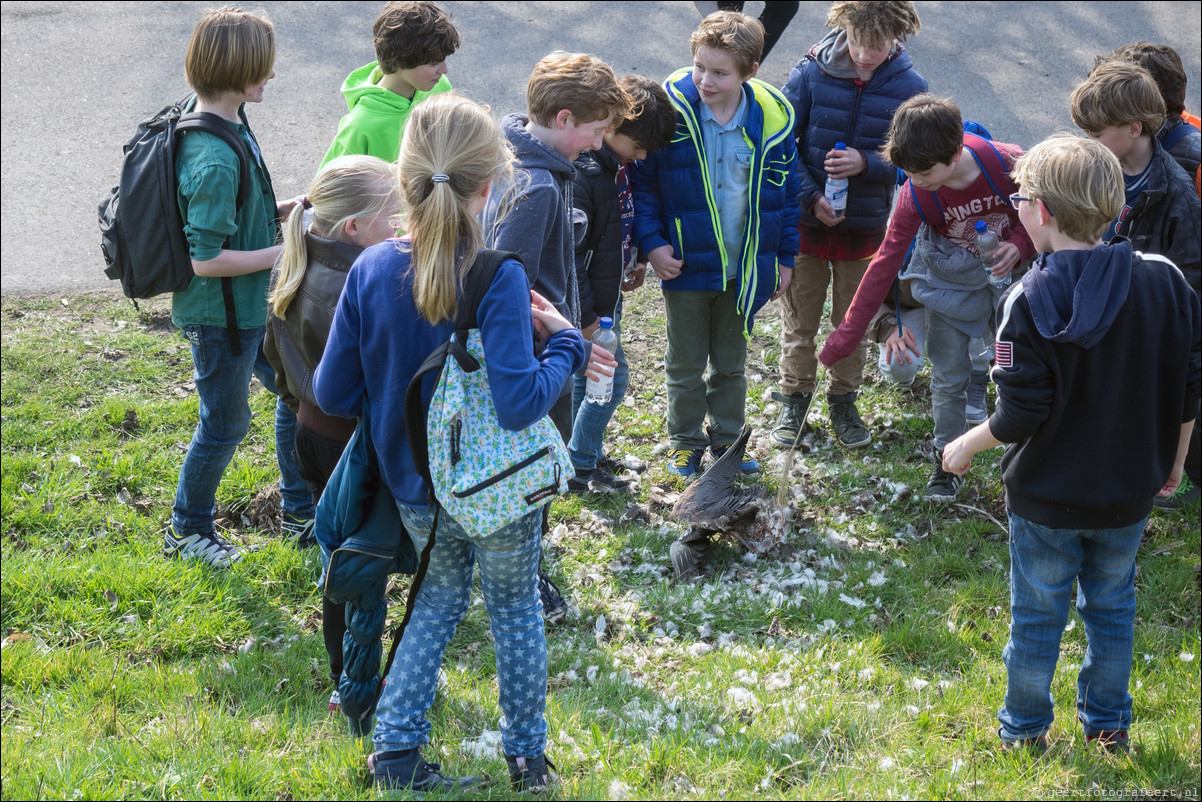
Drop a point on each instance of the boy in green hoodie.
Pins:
(413, 41)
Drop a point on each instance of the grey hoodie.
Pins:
(538, 227)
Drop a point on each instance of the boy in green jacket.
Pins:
(413, 41)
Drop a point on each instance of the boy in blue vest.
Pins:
(860, 64)
(955, 180)
(716, 214)
(1087, 322)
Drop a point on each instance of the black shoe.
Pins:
(406, 770)
(298, 531)
(555, 609)
(845, 420)
(598, 480)
(942, 486)
(530, 773)
(791, 423)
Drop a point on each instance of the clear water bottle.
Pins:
(836, 189)
(600, 391)
(987, 245)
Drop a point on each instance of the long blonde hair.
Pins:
(347, 187)
(451, 150)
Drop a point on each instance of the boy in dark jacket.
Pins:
(1081, 475)
(859, 66)
(1121, 106)
(716, 213)
(606, 266)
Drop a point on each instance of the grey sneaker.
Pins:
(790, 426)
(976, 410)
(845, 420)
(208, 547)
(298, 531)
(942, 486)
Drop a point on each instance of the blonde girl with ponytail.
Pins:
(352, 204)
(399, 305)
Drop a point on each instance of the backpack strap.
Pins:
(220, 128)
(1177, 134)
(992, 165)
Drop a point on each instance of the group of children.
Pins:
(716, 180)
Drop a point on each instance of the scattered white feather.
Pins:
(1186, 657)
(917, 684)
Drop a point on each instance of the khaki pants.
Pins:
(801, 313)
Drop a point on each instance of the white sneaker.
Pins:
(209, 547)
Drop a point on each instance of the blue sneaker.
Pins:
(685, 462)
(748, 465)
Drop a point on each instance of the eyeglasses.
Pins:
(1016, 199)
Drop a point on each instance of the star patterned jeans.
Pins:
(508, 560)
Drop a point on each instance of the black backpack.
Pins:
(141, 233)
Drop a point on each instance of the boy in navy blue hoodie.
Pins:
(861, 66)
(1092, 396)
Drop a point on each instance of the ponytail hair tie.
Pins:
(305, 202)
(440, 178)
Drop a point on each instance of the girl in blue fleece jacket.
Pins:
(398, 305)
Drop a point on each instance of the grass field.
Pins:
(855, 652)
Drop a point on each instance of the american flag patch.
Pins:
(1003, 353)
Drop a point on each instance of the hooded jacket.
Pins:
(538, 227)
(832, 105)
(1167, 217)
(674, 199)
(599, 252)
(377, 115)
(1091, 391)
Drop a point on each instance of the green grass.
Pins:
(858, 655)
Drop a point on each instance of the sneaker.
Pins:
(748, 465)
(1110, 740)
(209, 547)
(404, 769)
(598, 480)
(298, 531)
(530, 773)
(555, 609)
(618, 466)
(335, 703)
(791, 423)
(849, 428)
(942, 486)
(685, 462)
(976, 410)
(1187, 495)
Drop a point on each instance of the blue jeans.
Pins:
(223, 387)
(508, 560)
(1043, 564)
(588, 428)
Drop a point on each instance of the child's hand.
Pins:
(1174, 482)
(957, 456)
(824, 212)
(903, 347)
(284, 208)
(600, 363)
(1008, 258)
(786, 276)
(845, 163)
(635, 278)
(547, 320)
(665, 265)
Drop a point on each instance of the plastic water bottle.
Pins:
(600, 391)
(836, 189)
(987, 245)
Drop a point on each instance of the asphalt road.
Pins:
(78, 77)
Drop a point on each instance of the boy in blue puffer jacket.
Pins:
(845, 89)
(715, 212)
